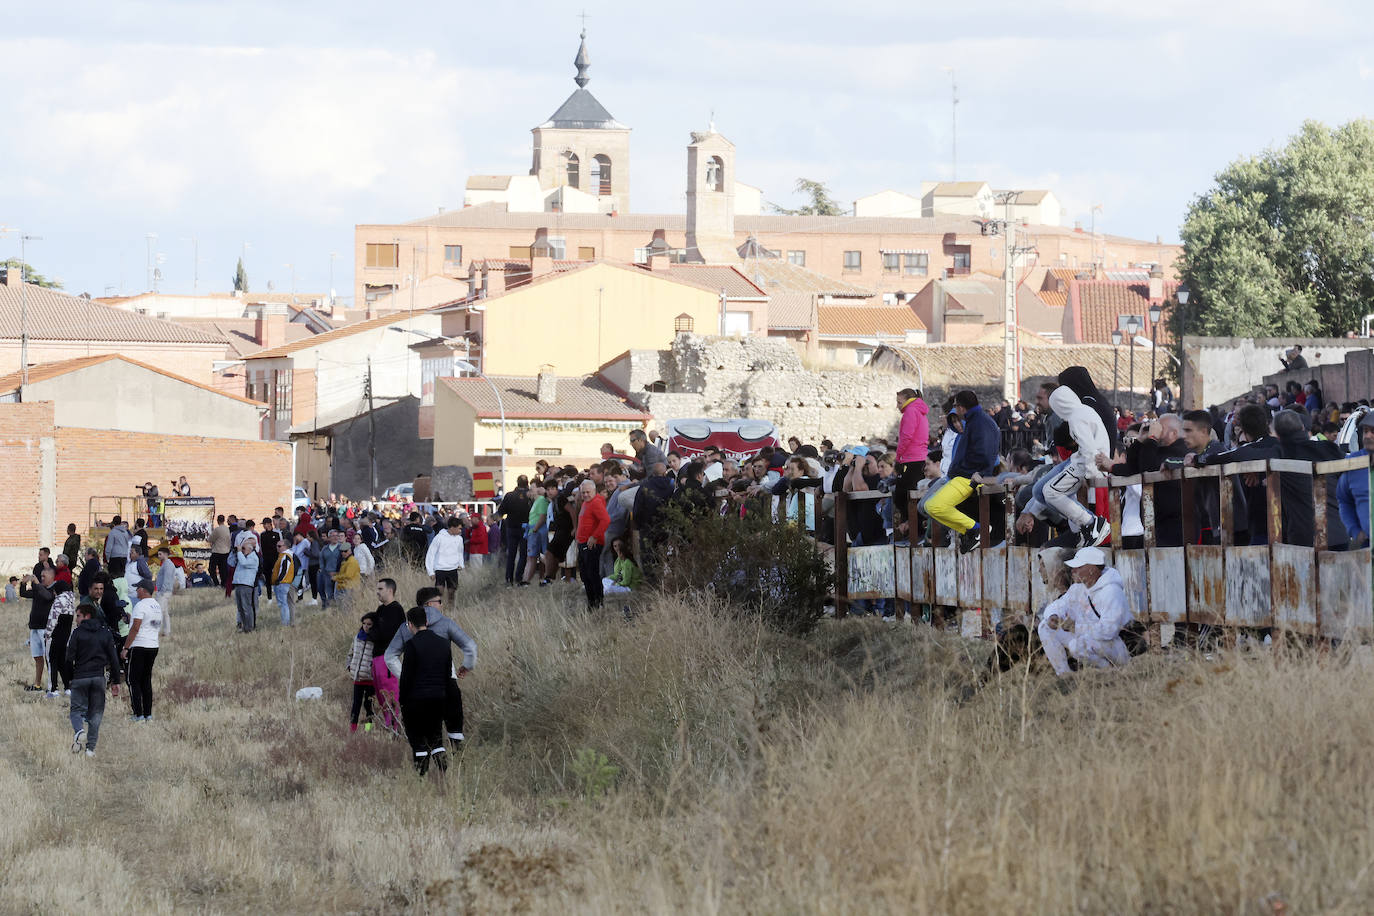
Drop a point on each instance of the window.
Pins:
(737, 324)
(453, 255)
(496, 452)
(916, 264)
(601, 174)
(520, 252)
(715, 174)
(862, 355)
(797, 257)
(281, 405)
(558, 248)
(892, 262)
(381, 255)
(547, 452)
(853, 261)
(573, 166)
(376, 292)
(962, 261)
(587, 253)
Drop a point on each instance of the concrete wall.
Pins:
(401, 454)
(1348, 381)
(119, 395)
(1220, 369)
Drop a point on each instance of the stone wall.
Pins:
(762, 378)
(1219, 369)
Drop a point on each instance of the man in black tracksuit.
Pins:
(426, 661)
(90, 653)
(415, 540)
(514, 512)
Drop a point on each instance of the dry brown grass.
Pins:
(861, 770)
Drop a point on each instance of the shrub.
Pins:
(758, 568)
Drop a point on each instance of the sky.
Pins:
(268, 130)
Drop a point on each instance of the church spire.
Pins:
(582, 63)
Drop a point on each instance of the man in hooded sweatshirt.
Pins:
(975, 452)
(431, 600)
(1097, 641)
(1077, 402)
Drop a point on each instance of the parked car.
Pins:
(299, 499)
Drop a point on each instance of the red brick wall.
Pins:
(246, 477)
(21, 428)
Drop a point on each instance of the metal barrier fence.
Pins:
(1305, 590)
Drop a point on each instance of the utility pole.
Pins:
(371, 432)
(1011, 351)
(24, 311)
(150, 238)
(722, 311)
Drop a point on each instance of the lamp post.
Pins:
(1116, 363)
(1182, 294)
(1132, 326)
(1156, 312)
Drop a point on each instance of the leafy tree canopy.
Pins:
(822, 204)
(30, 275)
(1283, 245)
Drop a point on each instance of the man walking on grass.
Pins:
(90, 654)
(425, 665)
(445, 557)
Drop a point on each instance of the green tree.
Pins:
(240, 278)
(1282, 244)
(822, 204)
(30, 275)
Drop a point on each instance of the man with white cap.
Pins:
(1096, 636)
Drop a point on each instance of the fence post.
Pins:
(841, 555)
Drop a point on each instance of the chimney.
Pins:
(1156, 285)
(472, 283)
(269, 327)
(546, 388)
(541, 254)
(14, 276)
(494, 281)
(1077, 225)
(658, 252)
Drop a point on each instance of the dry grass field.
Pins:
(690, 762)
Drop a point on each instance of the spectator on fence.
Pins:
(1299, 511)
(71, 547)
(975, 451)
(1352, 490)
(1200, 438)
(1160, 440)
(1088, 430)
(1293, 359)
(913, 439)
(1251, 428)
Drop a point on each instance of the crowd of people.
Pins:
(606, 527)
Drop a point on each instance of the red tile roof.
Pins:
(585, 398)
(716, 277)
(1098, 304)
(241, 332)
(868, 321)
(55, 315)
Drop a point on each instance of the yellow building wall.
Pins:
(579, 444)
(578, 322)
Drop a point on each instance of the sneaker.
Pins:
(421, 763)
(1098, 533)
(367, 727)
(79, 741)
(314, 601)
(439, 757)
(968, 540)
(66, 693)
(32, 688)
(90, 752)
(52, 694)
(523, 584)
(889, 618)
(135, 718)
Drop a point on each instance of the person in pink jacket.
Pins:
(913, 440)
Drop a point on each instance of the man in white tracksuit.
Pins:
(1088, 619)
(1061, 491)
(445, 557)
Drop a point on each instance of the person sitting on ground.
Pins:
(359, 666)
(625, 576)
(1066, 613)
(1098, 642)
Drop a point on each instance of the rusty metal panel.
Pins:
(1343, 598)
(946, 576)
(903, 572)
(1248, 599)
(1206, 586)
(1167, 600)
(871, 573)
(970, 575)
(1019, 580)
(1039, 592)
(1294, 588)
(922, 575)
(1131, 565)
(995, 578)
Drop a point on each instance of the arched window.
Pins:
(601, 174)
(573, 170)
(715, 174)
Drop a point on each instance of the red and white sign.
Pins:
(739, 439)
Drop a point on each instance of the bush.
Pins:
(756, 567)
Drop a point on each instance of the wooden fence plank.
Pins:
(1168, 601)
(902, 568)
(946, 577)
(1248, 599)
(994, 582)
(1019, 574)
(1343, 603)
(1294, 587)
(1206, 584)
(970, 575)
(923, 575)
(871, 572)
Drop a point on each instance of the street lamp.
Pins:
(1116, 363)
(1182, 294)
(1156, 312)
(1132, 326)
